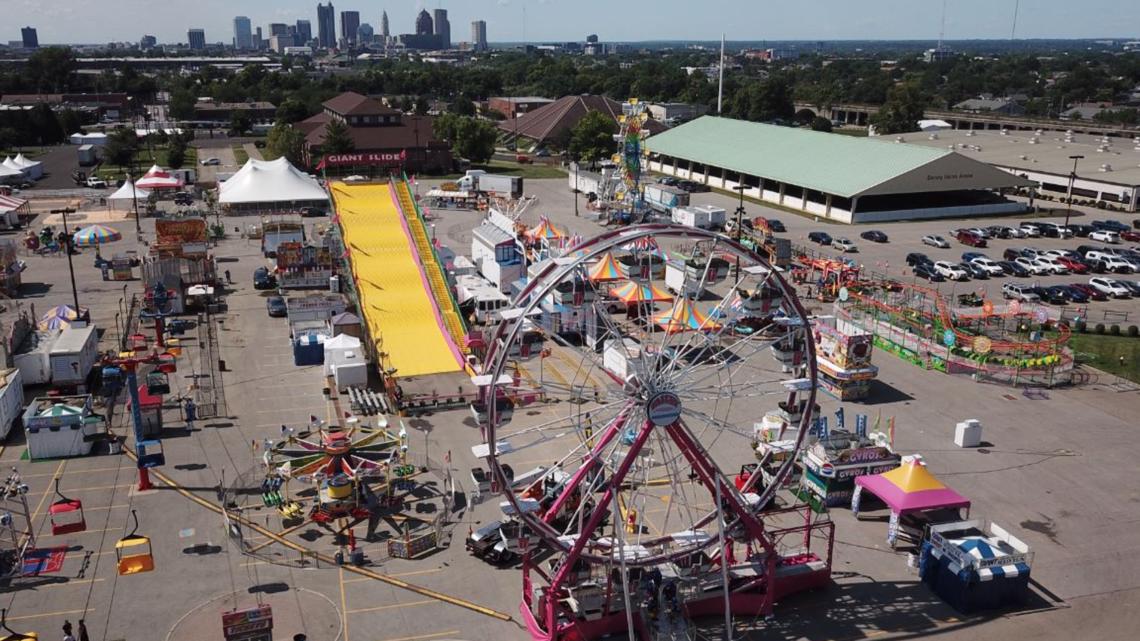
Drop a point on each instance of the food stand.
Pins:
(843, 357)
(973, 567)
(302, 266)
(831, 465)
(61, 426)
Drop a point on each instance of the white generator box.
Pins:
(968, 433)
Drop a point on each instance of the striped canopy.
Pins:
(634, 292)
(54, 322)
(645, 243)
(546, 230)
(66, 312)
(96, 235)
(684, 317)
(606, 269)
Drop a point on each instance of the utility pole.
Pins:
(720, 89)
(576, 187)
(1072, 179)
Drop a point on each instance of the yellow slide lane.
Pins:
(395, 299)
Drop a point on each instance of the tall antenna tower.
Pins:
(942, 27)
(1013, 29)
(720, 88)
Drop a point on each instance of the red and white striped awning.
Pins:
(159, 178)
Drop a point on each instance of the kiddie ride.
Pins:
(657, 440)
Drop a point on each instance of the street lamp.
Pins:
(135, 201)
(1072, 178)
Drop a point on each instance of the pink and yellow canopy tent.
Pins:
(907, 489)
(684, 317)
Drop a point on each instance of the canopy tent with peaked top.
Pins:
(10, 174)
(12, 166)
(270, 181)
(159, 178)
(684, 317)
(128, 193)
(632, 292)
(33, 168)
(907, 489)
(606, 269)
(546, 230)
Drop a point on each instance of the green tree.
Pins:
(592, 138)
(337, 140)
(292, 110)
(804, 117)
(819, 123)
(421, 106)
(176, 154)
(764, 101)
(69, 121)
(446, 127)
(462, 106)
(44, 125)
(240, 123)
(476, 140)
(285, 140)
(122, 144)
(182, 104)
(901, 112)
(50, 69)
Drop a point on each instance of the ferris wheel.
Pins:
(643, 402)
(623, 190)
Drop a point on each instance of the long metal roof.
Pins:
(830, 163)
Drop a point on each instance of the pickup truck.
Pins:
(96, 183)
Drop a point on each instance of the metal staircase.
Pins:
(447, 306)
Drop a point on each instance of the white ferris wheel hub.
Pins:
(663, 409)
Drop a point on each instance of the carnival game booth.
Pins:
(61, 426)
(831, 465)
(974, 568)
(270, 185)
(916, 499)
(159, 179)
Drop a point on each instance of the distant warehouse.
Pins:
(842, 178)
(1108, 173)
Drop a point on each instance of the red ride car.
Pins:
(1075, 266)
(1090, 291)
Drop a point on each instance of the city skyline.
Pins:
(67, 22)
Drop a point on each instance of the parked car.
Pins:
(844, 245)
(1075, 295)
(991, 268)
(1089, 291)
(926, 270)
(968, 256)
(967, 237)
(1053, 230)
(1054, 294)
(1109, 225)
(275, 307)
(916, 258)
(262, 279)
(773, 225)
(820, 237)
(1081, 231)
(667, 180)
(935, 241)
(1011, 253)
(1074, 265)
(1105, 236)
(1130, 236)
(1012, 268)
(1031, 230)
(1019, 292)
(1032, 266)
(209, 162)
(1110, 287)
(874, 236)
(999, 231)
(949, 270)
(1055, 267)
(980, 232)
(1133, 286)
(1117, 265)
(973, 270)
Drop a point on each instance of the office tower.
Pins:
(384, 26)
(258, 43)
(349, 23)
(479, 35)
(326, 26)
(423, 24)
(364, 34)
(442, 29)
(304, 32)
(197, 39)
(243, 33)
(30, 38)
(278, 29)
(148, 42)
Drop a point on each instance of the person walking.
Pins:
(228, 279)
(83, 631)
(67, 636)
(191, 412)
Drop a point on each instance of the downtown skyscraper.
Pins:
(326, 26)
(243, 33)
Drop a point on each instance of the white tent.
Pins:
(11, 166)
(34, 169)
(94, 138)
(270, 181)
(341, 349)
(9, 173)
(127, 194)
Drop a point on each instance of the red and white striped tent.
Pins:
(11, 208)
(159, 178)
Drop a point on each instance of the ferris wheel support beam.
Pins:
(592, 460)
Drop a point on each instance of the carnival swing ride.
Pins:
(653, 426)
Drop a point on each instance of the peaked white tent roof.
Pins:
(159, 178)
(24, 162)
(126, 192)
(11, 164)
(264, 181)
(6, 171)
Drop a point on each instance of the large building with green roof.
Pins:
(842, 178)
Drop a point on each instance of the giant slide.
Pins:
(409, 322)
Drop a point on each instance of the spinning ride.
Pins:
(653, 426)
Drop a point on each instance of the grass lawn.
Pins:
(240, 155)
(144, 160)
(1103, 352)
(508, 168)
(858, 133)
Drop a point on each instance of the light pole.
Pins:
(135, 201)
(70, 266)
(576, 187)
(1072, 178)
(739, 220)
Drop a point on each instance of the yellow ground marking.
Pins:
(394, 606)
(435, 635)
(415, 573)
(343, 604)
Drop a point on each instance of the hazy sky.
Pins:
(86, 21)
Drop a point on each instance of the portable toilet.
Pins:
(309, 349)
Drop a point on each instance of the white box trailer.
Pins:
(664, 198)
(692, 217)
(586, 182)
(11, 399)
(677, 280)
(73, 355)
(717, 216)
(616, 361)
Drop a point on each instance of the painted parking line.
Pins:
(399, 574)
(343, 603)
(76, 470)
(110, 529)
(65, 584)
(435, 635)
(45, 615)
(393, 606)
